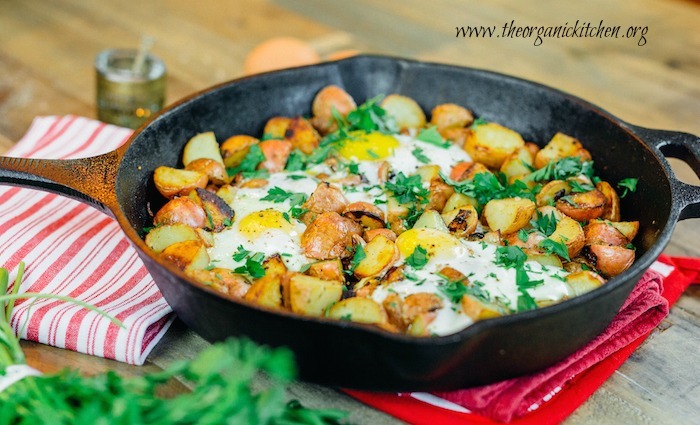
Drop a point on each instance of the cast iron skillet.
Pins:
(119, 183)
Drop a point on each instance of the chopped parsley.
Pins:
(408, 189)
(420, 156)
(357, 257)
(552, 247)
(629, 185)
(523, 235)
(487, 186)
(278, 195)
(562, 169)
(240, 253)
(478, 122)
(545, 223)
(253, 266)
(432, 136)
(510, 256)
(248, 167)
(369, 117)
(579, 187)
(525, 301)
(418, 259)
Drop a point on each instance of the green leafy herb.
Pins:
(553, 247)
(510, 256)
(478, 122)
(545, 223)
(579, 187)
(408, 189)
(432, 136)
(354, 168)
(629, 185)
(525, 301)
(420, 156)
(371, 117)
(562, 169)
(278, 195)
(296, 161)
(240, 253)
(412, 215)
(485, 187)
(418, 259)
(454, 290)
(357, 257)
(523, 281)
(253, 266)
(250, 163)
(523, 235)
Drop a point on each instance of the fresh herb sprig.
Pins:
(485, 187)
(628, 185)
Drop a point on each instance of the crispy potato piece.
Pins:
(570, 233)
(611, 211)
(222, 280)
(431, 219)
(478, 309)
(551, 192)
(360, 310)
(508, 215)
(187, 255)
(407, 113)
(206, 236)
(330, 98)
(491, 143)
(467, 170)
(327, 270)
(302, 135)
(218, 214)
(456, 135)
(227, 192)
(393, 306)
(518, 164)
(373, 233)
(369, 216)
(162, 237)
(532, 242)
(420, 304)
(584, 206)
(276, 154)
(276, 127)
(235, 148)
(583, 281)
(461, 221)
(312, 296)
(380, 253)
(457, 200)
(181, 210)
(215, 171)
(627, 228)
(267, 291)
(533, 148)
(544, 259)
(561, 146)
(329, 236)
(432, 240)
(611, 260)
(172, 182)
(325, 198)
(603, 233)
(449, 115)
(440, 192)
(428, 172)
(395, 215)
(203, 145)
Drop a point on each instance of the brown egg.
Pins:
(279, 53)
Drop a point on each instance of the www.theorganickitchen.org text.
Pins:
(538, 33)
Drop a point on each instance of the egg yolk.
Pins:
(363, 146)
(435, 242)
(252, 225)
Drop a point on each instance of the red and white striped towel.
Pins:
(72, 249)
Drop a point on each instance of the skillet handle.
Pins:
(685, 147)
(90, 180)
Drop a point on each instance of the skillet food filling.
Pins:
(373, 214)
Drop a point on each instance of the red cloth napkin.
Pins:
(72, 249)
(550, 396)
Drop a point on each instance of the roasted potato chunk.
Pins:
(457, 200)
(611, 211)
(611, 260)
(327, 270)
(491, 143)
(518, 164)
(172, 182)
(276, 127)
(373, 233)
(584, 206)
(313, 296)
(223, 280)
(218, 214)
(162, 237)
(276, 154)
(508, 215)
(461, 221)
(561, 146)
(570, 233)
(187, 255)
(325, 198)
(302, 135)
(369, 216)
(235, 148)
(478, 309)
(552, 192)
(181, 210)
(430, 219)
(467, 170)
(360, 310)
(214, 170)
(449, 115)
(407, 113)
(583, 281)
(380, 254)
(327, 100)
(203, 145)
(603, 233)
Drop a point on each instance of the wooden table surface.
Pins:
(47, 49)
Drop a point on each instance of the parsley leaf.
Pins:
(579, 187)
(432, 136)
(525, 301)
(629, 185)
(562, 169)
(253, 266)
(487, 186)
(477, 122)
(278, 195)
(545, 223)
(418, 259)
(510, 256)
(408, 189)
(420, 156)
(371, 117)
(240, 253)
(357, 257)
(523, 281)
(523, 235)
(250, 162)
(553, 247)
